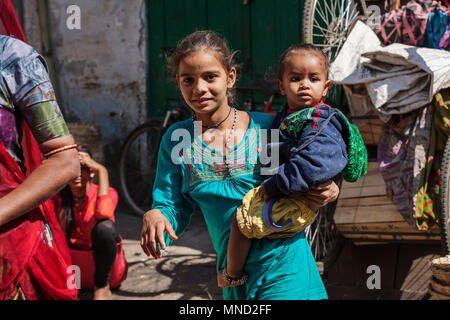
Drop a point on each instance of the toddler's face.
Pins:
(304, 80)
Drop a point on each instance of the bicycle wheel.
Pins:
(137, 168)
(326, 23)
(324, 238)
(444, 199)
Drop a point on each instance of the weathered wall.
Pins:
(101, 68)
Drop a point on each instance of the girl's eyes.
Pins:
(209, 77)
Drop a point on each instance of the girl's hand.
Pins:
(262, 193)
(86, 161)
(153, 226)
(322, 194)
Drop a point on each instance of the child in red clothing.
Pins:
(87, 217)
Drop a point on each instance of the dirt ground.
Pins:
(187, 270)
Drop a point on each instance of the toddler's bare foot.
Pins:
(223, 282)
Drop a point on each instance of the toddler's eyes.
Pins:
(295, 79)
(315, 79)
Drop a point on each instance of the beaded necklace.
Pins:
(217, 124)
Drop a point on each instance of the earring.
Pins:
(92, 175)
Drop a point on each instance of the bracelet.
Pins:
(235, 282)
(51, 152)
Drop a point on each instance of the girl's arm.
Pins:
(49, 178)
(97, 169)
(106, 200)
(172, 209)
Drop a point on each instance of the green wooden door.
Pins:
(260, 30)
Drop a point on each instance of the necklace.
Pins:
(78, 201)
(217, 124)
(232, 129)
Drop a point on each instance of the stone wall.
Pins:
(100, 68)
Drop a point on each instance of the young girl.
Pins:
(86, 213)
(202, 174)
(314, 149)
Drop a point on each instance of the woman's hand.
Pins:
(153, 226)
(322, 195)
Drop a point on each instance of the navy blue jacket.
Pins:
(321, 160)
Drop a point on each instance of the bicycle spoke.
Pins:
(326, 31)
(321, 14)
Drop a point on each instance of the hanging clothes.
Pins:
(425, 213)
(408, 24)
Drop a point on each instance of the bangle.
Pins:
(235, 282)
(51, 152)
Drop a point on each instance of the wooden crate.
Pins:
(370, 130)
(365, 213)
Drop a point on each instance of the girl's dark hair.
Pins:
(297, 47)
(204, 40)
(67, 216)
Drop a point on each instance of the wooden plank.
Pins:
(394, 237)
(413, 269)
(364, 191)
(401, 227)
(344, 215)
(366, 201)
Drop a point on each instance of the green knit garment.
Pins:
(356, 152)
(356, 149)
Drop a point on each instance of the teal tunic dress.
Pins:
(190, 172)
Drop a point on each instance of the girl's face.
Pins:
(203, 81)
(304, 80)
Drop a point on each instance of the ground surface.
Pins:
(187, 271)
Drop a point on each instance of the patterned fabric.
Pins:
(277, 268)
(204, 164)
(275, 218)
(26, 94)
(401, 157)
(425, 210)
(408, 24)
(438, 29)
(296, 123)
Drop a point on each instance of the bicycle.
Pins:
(444, 199)
(138, 160)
